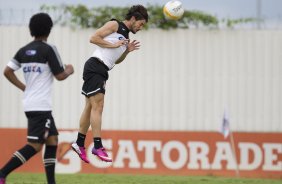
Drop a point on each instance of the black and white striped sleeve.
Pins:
(54, 60)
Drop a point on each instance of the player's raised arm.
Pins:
(98, 37)
(56, 65)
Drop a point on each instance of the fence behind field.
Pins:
(178, 80)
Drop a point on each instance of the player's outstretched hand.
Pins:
(134, 45)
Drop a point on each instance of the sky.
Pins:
(271, 10)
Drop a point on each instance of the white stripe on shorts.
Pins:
(32, 137)
(93, 91)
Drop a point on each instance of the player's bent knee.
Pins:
(36, 146)
(52, 140)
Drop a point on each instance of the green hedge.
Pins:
(80, 16)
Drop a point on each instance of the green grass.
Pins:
(27, 178)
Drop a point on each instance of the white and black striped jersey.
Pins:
(110, 55)
(39, 62)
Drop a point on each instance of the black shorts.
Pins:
(41, 125)
(95, 75)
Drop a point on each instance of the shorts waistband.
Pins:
(100, 61)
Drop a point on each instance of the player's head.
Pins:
(137, 15)
(40, 25)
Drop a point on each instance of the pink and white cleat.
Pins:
(80, 151)
(102, 154)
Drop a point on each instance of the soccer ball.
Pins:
(173, 10)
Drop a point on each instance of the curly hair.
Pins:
(40, 24)
(137, 11)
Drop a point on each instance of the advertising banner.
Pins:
(162, 153)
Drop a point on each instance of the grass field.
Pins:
(26, 178)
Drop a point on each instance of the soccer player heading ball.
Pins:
(114, 45)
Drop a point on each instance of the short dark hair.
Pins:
(40, 24)
(137, 11)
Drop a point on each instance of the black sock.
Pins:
(97, 142)
(2, 175)
(49, 163)
(19, 158)
(80, 139)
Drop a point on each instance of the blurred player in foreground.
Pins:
(40, 62)
(114, 45)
